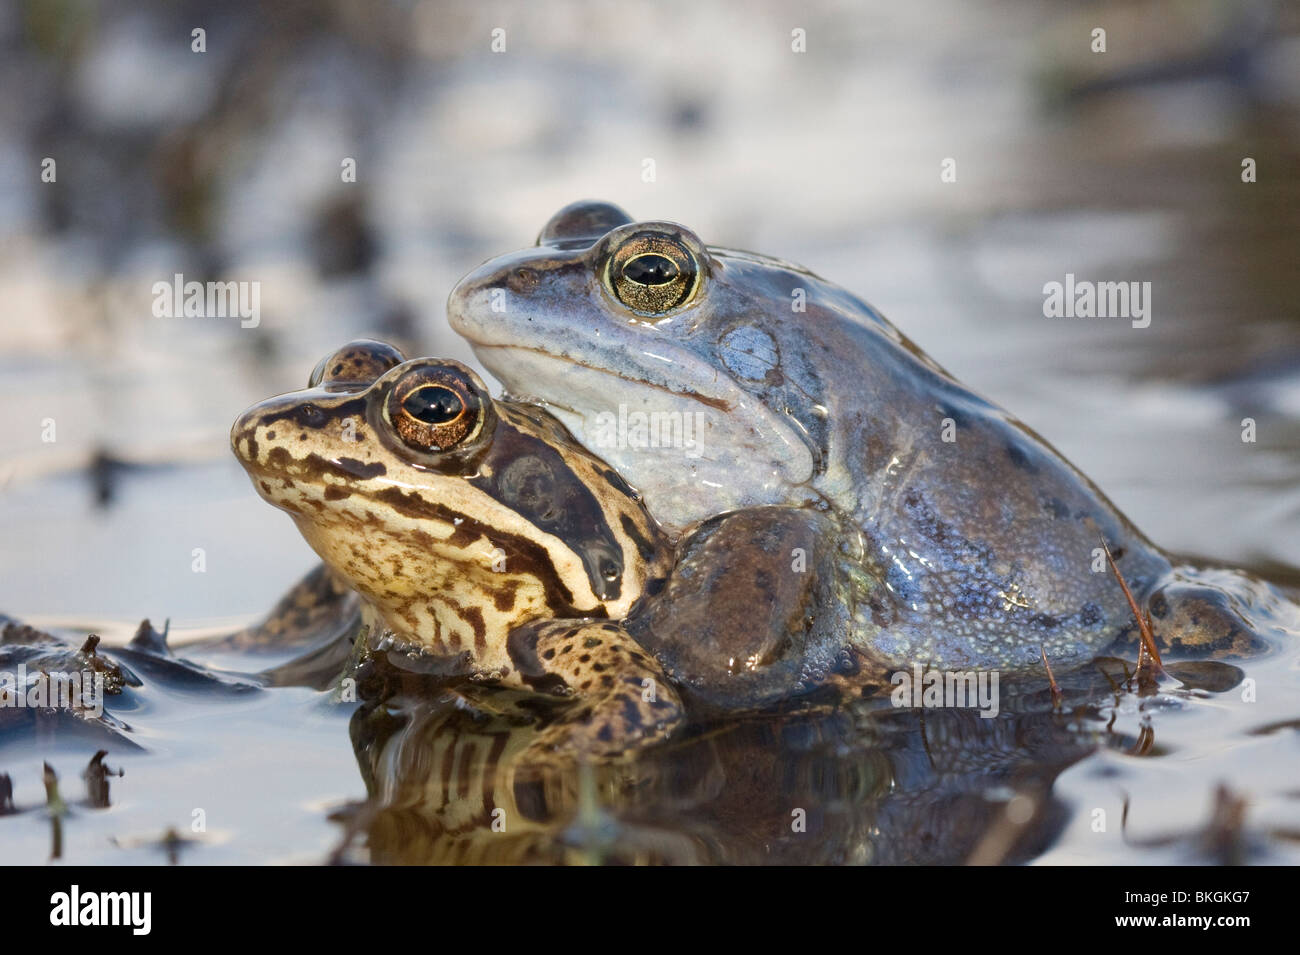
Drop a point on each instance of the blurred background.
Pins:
(226, 165)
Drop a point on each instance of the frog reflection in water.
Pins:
(944, 531)
(872, 783)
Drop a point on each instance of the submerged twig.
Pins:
(1148, 653)
(1056, 690)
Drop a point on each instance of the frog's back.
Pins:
(986, 542)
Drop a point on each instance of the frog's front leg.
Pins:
(620, 699)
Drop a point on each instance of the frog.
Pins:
(483, 543)
(948, 534)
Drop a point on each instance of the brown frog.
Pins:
(477, 533)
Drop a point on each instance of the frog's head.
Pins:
(693, 370)
(456, 516)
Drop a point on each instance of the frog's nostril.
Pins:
(523, 280)
(310, 416)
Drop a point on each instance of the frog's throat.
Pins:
(740, 452)
(449, 599)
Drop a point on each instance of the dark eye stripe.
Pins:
(525, 556)
(575, 514)
(315, 416)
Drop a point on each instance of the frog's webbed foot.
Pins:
(617, 698)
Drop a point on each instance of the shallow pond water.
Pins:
(831, 160)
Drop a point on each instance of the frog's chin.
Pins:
(693, 454)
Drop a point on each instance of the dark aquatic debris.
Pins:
(1225, 839)
(96, 775)
(59, 689)
(171, 843)
(149, 640)
(80, 691)
(56, 808)
(149, 653)
(38, 651)
(106, 471)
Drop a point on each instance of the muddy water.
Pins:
(1067, 162)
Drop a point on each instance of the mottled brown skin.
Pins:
(622, 690)
(475, 531)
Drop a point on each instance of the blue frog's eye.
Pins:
(652, 272)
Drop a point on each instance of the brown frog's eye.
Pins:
(433, 404)
(652, 272)
(435, 409)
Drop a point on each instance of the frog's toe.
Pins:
(621, 701)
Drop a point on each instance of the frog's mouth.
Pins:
(726, 438)
(586, 390)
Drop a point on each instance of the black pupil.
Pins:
(433, 404)
(651, 269)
